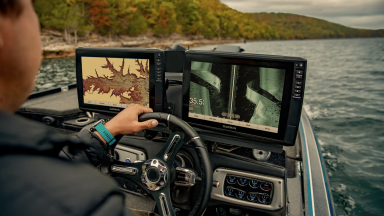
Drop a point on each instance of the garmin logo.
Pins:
(229, 127)
(114, 109)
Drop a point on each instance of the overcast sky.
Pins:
(367, 14)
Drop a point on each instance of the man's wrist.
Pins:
(103, 133)
(111, 129)
(100, 137)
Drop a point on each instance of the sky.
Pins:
(367, 14)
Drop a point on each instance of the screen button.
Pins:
(214, 119)
(159, 68)
(299, 76)
(267, 128)
(298, 83)
(103, 103)
(299, 72)
(298, 87)
(158, 60)
(89, 102)
(297, 95)
(249, 125)
(195, 115)
(114, 104)
(297, 91)
(231, 122)
(158, 63)
(159, 55)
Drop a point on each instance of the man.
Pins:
(33, 179)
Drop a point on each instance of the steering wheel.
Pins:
(156, 174)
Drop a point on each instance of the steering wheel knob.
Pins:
(155, 174)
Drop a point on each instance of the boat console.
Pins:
(248, 98)
(244, 110)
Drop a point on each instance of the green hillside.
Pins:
(209, 18)
(292, 26)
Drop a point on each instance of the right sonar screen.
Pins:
(237, 95)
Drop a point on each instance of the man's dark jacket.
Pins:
(34, 180)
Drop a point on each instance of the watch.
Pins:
(103, 131)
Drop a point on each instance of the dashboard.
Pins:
(243, 183)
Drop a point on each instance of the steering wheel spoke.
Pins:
(174, 143)
(132, 171)
(163, 202)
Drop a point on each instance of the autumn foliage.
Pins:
(208, 18)
(99, 13)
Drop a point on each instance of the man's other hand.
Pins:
(126, 122)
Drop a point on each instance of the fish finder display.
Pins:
(115, 82)
(237, 95)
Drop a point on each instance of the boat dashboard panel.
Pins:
(249, 189)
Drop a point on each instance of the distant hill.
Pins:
(208, 18)
(292, 26)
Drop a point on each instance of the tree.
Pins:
(77, 18)
(51, 13)
(166, 21)
(99, 15)
(211, 27)
(127, 18)
(137, 25)
(188, 16)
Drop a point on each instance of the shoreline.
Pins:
(55, 46)
(65, 50)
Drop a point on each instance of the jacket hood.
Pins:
(22, 136)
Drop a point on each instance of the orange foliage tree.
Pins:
(99, 14)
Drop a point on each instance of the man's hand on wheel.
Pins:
(126, 122)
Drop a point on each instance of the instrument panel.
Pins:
(249, 189)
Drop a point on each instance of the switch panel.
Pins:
(249, 189)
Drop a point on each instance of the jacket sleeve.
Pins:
(85, 147)
(94, 149)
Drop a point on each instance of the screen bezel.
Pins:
(114, 53)
(240, 59)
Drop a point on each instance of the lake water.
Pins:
(344, 98)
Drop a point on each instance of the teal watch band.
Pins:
(103, 131)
